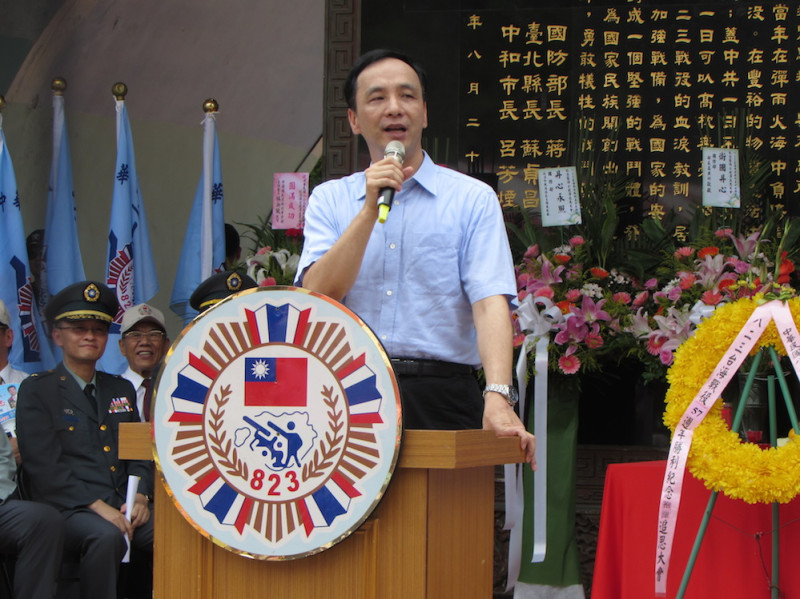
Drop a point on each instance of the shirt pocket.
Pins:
(432, 266)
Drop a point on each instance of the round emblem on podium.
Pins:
(277, 423)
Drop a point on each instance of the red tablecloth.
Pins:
(731, 563)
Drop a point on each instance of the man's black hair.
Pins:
(372, 57)
(232, 242)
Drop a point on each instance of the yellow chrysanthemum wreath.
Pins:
(717, 456)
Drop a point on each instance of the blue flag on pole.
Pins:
(29, 352)
(203, 250)
(62, 264)
(130, 269)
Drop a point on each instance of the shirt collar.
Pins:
(134, 377)
(426, 175)
(81, 383)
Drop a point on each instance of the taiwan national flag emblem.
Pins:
(275, 382)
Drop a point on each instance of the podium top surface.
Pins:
(419, 449)
(457, 449)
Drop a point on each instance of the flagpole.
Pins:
(120, 90)
(59, 86)
(210, 107)
(130, 267)
(62, 263)
(203, 250)
(112, 360)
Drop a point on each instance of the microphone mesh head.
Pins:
(395, 149)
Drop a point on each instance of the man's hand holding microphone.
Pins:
(394, 149)
(388, 175)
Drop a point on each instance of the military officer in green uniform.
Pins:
(68, 427)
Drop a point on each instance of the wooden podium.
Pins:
(431, 536)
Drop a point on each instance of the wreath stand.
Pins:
(773, 432)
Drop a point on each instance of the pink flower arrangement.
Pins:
(594, 305)
(604, 314)
(694, 283)
(275, 253)
(268, 267)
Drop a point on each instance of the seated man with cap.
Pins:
(68, 426)
(143, 342)
(219, 286)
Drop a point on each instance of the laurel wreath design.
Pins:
(121, 268)
(220, 444)
(323, 458)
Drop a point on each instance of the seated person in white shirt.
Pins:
(8, 375)
(143, 342)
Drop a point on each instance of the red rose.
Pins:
(707, 251)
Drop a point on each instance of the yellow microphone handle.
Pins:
(383, 213)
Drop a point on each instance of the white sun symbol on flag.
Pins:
(260, 369)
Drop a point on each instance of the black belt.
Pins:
(411, 367)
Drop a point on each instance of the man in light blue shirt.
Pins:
(435, 280)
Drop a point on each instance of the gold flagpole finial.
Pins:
(2, 102)
(120, 90)
(59, 86)
(210, 105)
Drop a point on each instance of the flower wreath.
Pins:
(717, 456)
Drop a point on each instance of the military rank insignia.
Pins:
(277, 423)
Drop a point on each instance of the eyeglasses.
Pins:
(153, 335)
(83, 330)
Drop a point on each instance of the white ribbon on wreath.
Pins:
(536, 317)
(700, 311)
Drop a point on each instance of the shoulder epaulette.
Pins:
(42, 373)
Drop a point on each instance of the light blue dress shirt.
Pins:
(443, 248)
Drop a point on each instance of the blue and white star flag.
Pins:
(130, 268)
(29, 352)
(62, 264)
(203, 250)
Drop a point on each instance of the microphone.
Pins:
(396, 150)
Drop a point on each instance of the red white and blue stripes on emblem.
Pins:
(277, 324)
(322, 507)
(189, 395)
(222, 500)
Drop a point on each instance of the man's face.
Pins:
(144, 346)
(390, 106)
(6, 338)
(81, 340)
(35, 265)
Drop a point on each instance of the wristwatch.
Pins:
(507, 391)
